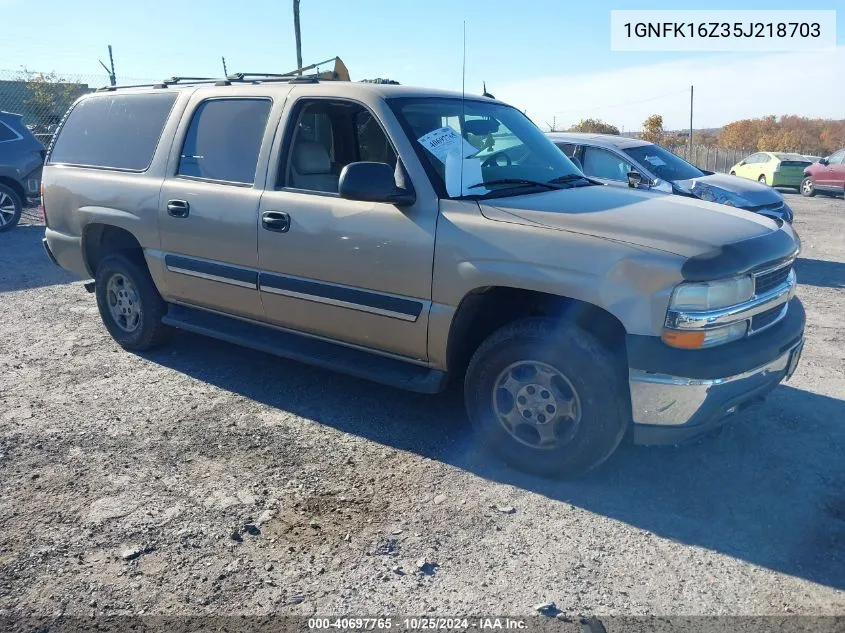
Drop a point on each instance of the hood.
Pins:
(673, 224)
(753, 191)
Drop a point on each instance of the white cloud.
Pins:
(727, 87)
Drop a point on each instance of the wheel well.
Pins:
(485, 310)
(16, 187)
(103, 239)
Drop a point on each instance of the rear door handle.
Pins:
(178, 208)
(277, 221)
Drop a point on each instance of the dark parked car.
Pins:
(21, 159)
(825, 176)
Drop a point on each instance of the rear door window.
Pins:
(113, 131)
(7, 133)
(224, 139)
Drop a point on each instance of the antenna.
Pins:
(463, 109)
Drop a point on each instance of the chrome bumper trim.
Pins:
(660, 399)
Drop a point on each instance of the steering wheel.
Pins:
(493, 160)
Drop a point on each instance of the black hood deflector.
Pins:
(742, 257)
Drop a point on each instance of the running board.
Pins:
(305, 349)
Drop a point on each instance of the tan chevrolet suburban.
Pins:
(413, 237)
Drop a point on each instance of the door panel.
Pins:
(208, 205)
(211, 256)
(358, 272)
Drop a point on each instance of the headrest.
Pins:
(311, 158)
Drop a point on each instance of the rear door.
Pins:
(208, 208)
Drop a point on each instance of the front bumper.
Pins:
(691, 397)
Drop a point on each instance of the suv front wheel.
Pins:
(11, 207)
(129, 303)
(548, 398)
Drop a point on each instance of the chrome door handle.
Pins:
(178, 208)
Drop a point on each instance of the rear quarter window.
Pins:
(113, 132)
(7, 134)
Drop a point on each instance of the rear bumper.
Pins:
(66, 251)
(700, 391)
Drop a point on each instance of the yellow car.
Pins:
(776, 169)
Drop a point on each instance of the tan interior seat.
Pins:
(311, 168)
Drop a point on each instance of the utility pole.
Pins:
(690, 118)
(110, 68)
(298, 36)
(225, 72)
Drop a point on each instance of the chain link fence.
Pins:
(43, 98)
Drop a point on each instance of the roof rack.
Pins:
(338, 73)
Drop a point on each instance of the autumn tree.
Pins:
(595, 126)
(653, 128)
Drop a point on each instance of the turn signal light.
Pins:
(684, 340)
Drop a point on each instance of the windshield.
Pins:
(474, 148)
(663, 163)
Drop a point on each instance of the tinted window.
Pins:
(837, 158)
(115, 131)
(603, 164)
(663, 163)
(567, 148)
(6, 134)
(223, 140)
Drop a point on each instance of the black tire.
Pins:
(762, 180)
(808, 187)
(733, 173)
(10, 196)
(148, 331)
(594, 375)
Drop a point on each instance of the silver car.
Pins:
(623, 161)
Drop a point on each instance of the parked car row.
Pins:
(21, 159)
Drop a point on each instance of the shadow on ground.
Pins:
(766, 490)
(23, 262)
(820, 272)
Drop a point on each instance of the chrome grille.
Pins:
(767, 318)
(769, 279)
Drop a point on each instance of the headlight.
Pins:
(712, 295)
(704, 191)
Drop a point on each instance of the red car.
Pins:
(825, 176)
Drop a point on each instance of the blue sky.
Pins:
(551, 58)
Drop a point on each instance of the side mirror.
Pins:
(741, 163)
(373, 182)
(824, 161)
(635, 179)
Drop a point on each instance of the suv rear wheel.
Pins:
(11, 207)
(549, 399)
(129, 303)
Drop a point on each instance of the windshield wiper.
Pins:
(568, 178)
(515, 181)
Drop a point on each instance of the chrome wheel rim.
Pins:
(7, 208)
(536, 405)
(807, 186)
(762, 179)
(123, 302)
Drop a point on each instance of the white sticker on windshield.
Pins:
(458, 184)
(444, 141)
(655, 160)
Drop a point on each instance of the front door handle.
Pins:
(178, 208)
(277, 221)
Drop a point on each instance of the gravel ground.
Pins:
(209, 479)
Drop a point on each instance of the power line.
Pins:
(619, 105)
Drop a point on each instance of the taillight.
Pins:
(41, 208)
